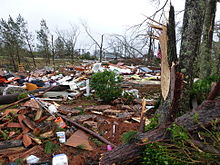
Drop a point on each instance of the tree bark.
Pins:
(206, 46)
(13, 62)
(101, 48)
(53, 52)
(18, 55)
(31, 52)
(130, 153)
(169, 106)
(191, 37)
(171, 32)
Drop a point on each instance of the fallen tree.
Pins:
(176, 86)
(127, 153)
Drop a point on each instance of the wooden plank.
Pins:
(10, 144)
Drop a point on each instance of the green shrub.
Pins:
(201, 88)
(106, 85)
(127, 137)
(178, 133)
(87, 56)
(154, 121)
(22, 96)
(50, 147)
(157, 154)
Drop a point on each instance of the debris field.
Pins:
(49, 112)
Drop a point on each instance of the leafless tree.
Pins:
(69, 38)
(131, 45)
(98, 44)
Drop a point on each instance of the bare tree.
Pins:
(98, 44)
(132, 45)
(69, 38)
(29, 41)
(43, 37)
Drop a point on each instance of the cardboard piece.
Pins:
(79, 138)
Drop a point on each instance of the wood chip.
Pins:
(32, 103)
(112, 112)
(99, 108)
(47, 134)
(26, 140)
(14, 125)
(28, 123)
(24, 128)
(38, 114)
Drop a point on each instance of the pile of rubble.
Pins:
(45, 112)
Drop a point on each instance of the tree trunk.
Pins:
(171, 32)
(191, 37)
(13, 62)
(168, 108)
(150, 54)
(18, 55)
(53, 52)
(206, 46)
(31, 52)
(101, 48)
(72, 55)
(130, 153)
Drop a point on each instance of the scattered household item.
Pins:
(60, 159)
(32, 159)
(109, 147)
(62, 136)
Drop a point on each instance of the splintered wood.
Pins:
(165, 70)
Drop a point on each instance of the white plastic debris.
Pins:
(52, 108)
(87, 88)
(97, 67)
(133, 92)
(62, 136)
(32, 159)
(60, 159)
(120, 70)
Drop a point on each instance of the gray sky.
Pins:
(102, 16)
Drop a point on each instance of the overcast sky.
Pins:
(102, 16)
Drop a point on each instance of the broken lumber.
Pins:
(10, 144)
(142, 119)
(24, 99)
(87, 130)
(11, 98)
(24, 154)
